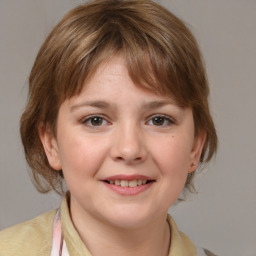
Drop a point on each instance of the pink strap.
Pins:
(59, 247)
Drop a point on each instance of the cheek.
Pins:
(80, 164)
(173, 156)
(81, 156)
(173, 159)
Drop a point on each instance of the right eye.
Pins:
(161, 121)
(94, 121)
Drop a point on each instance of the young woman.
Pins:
(118, 111)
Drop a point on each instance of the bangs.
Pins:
(155, 61)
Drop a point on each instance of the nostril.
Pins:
(127, 159)
(119, 158)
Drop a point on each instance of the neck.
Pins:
(103, 239)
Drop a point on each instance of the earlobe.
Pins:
(198, 145)
(50, 146)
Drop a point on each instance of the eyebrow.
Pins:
(96, 104)
(158, 104)
(106, 105)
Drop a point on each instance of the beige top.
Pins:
(34, 237)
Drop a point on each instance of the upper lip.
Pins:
(128, 177)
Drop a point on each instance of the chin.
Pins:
(130, 218)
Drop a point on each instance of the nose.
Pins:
(129, 146)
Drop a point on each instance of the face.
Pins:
(125, 153)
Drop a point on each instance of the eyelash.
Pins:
(87, 119)
(167, 121)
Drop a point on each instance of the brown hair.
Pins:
(161, 55)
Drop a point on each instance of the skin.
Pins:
(133, 132)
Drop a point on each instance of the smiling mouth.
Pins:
(129, 183)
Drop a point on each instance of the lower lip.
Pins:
(128, 191)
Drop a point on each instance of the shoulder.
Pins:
(204, 252)
(181, 243)
(28, 237)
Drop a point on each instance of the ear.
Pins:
(196, 151)
(50, 146)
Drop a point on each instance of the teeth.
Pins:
(126, 183)
(132, 183)
(117, 182)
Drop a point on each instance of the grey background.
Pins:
(222, 216)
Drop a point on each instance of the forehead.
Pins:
(109, 72)
(113, 75)
(112, 78)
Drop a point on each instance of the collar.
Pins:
(180, 245)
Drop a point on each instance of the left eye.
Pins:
(94, 121)
(160, 121)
